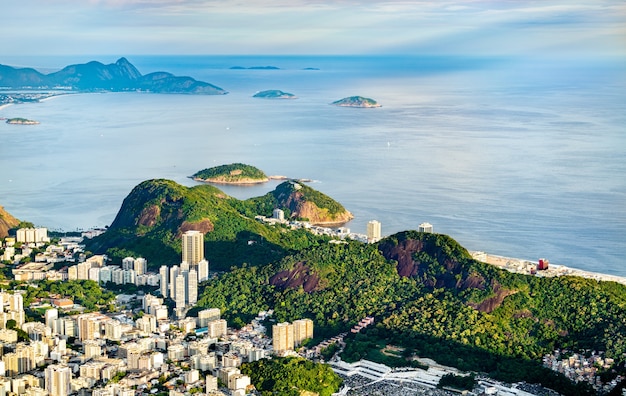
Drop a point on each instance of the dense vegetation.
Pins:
(291, 376)
(288, 195)
(453, 309)
(156, 212)
(83, 292)
(231, 173)
(428, 296)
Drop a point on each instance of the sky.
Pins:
(291, 27)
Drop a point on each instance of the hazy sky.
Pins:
(505, 27)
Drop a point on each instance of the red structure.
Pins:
(543, 264)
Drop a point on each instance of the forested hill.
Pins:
(154, 215)
(300, 201)
(452, 308)
(95, 76)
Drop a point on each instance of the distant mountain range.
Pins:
(95, 76)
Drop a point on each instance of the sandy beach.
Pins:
(523, 266)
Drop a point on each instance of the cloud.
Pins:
(314, 26)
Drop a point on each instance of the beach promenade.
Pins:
(527, 266)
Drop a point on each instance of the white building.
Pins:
(58, 379)
(425, 227)
(193, 247)
(374, 231)
(32, 235)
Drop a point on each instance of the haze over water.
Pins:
(517, 159)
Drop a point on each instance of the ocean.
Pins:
(520, 158)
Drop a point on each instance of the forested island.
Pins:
(274, 94)
(356, 101)
(236, 173)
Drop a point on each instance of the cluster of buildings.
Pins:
(374, 228)
(582, 368)
(88, 353)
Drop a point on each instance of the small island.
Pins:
(274, 94)
(231, 174)
(356, 101)
(255, 68)
(21, 121)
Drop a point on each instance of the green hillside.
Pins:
(300, 201)
(156, 213)
(453, 309)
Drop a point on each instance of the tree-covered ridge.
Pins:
(154, 215)
(448, 321)
(292, 376)
(231, 173)
(351, 281)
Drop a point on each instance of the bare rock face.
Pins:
(6, 222)
(305, 203)
(204, 226)
(439, 262)
(300, 276)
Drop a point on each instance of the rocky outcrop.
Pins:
(300, 276)
(6, 222)
(303, 202)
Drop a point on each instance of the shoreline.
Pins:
(523, 266)
(237, 183)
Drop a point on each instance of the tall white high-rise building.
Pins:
(180, 295)
(51, 316)
(174, 270)
(203, 270)
(128, 263)
(57, 380)
(192, 287)
(163, 281)
(141, 265)
(193, 247)
(373, 231)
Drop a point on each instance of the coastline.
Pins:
(245, 182)
(522, 266)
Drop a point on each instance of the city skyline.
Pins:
(494, 28)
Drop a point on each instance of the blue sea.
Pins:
(516, 157)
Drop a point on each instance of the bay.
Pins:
(516, 158)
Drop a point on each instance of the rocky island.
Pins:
(231, 174)
(21, 121)
(356, 101)
(274, 94)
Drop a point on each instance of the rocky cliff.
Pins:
(6, 222)
(305, 202)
